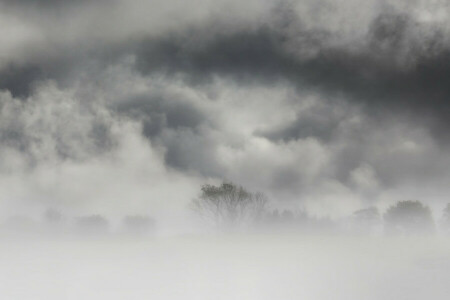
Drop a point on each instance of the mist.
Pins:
(215, 149)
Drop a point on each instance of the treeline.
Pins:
(232, 207)
(54, 222)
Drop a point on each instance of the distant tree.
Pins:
(53, 216)
(408, 217)
(138, 224)
(53, 222)
(366, 220)
(287, 220)
(445, 221)
(285, 217)
(229, 205)
(93, 224)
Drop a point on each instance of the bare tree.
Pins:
(408, 217)
(229, 205)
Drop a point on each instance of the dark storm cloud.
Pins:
(391, 69)
(47, 3)
(191, 152)
(399, 64)
(308, 102)
(62, 65)
(19, 80)
(42, 2)
(175, 123)
(321, 121)
(160, 111)
(246, 55)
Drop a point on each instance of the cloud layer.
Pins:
(131, 105)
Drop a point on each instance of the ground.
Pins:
(246, 267)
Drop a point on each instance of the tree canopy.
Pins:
(229, 205)
(408, 217)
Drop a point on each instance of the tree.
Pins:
(53, 216)
(54, 222)
(445, 221)
(407, 217)
(93, 224)
(229, 205)
(366, 220)
(287, 219)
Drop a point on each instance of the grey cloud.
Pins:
(391, 68)
(192, 152)
(399, 64)
(19, 80)
(242, 56)
(321, 121)
(177, 125)
(158, 112)
(392, 78)
(47, 127)
(63, 65)
(36, 4)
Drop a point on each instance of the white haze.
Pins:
(124, 108)
(227, 267)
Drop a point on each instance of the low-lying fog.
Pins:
(238, 266)
(237, 248)
(224, 149)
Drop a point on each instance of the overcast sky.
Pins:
(128, 106)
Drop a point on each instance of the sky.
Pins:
(129, 106)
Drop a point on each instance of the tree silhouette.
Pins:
(445, 221)
(408, 217)
(93, 224)
(52, 216)
(366, 220)
(229, 205)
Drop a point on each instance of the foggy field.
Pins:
(314, 133)
(228, 267)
